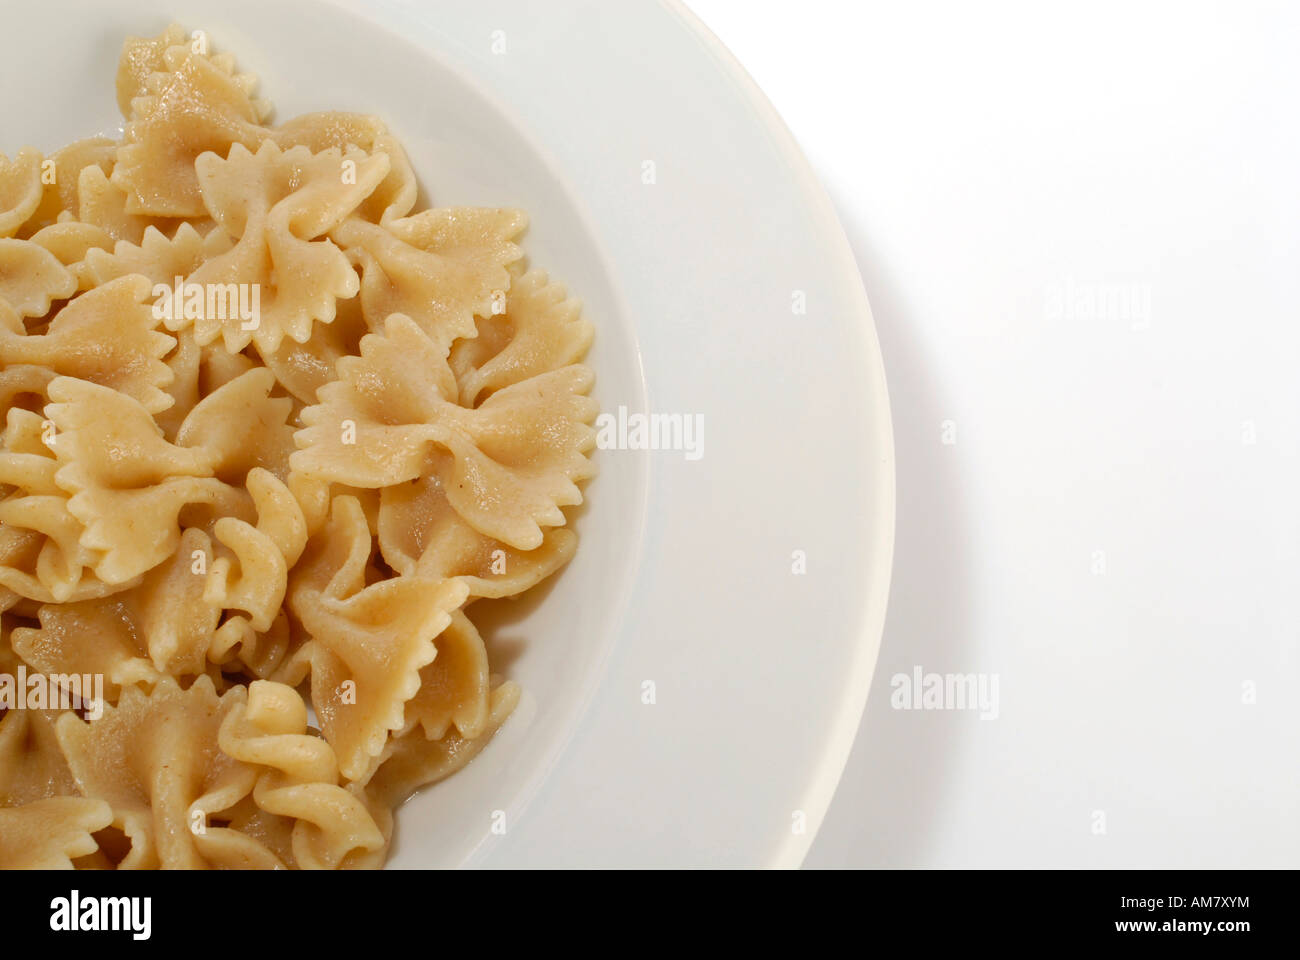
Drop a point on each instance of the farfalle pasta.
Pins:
(268, 432)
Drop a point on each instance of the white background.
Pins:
(1114, 532)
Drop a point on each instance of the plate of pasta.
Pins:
(424, 444)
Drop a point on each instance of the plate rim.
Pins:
(829, 768)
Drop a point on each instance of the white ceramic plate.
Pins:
(667, 193)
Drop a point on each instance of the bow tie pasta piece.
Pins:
(241, 426)
(335, 561)
(20, 189)
(128, 484)
(107, 439)
(396, 194)
(517, 459)
(105, 336)
(276, 203)
(370, 641)
(48, 834)
(367, 657)
(71, 242)
(155, 759)
(31, 278)
(420, 534)
(171, 611)
(540, 329)
(181, 102)
(252, 575)
(371, 427)
(143, 56)
(507, 467)
(188, 106)
(302, 194)
(300, 779)
(102, 203)
(58, 571)
(61, 196)
(454, 687)
(303, 368)
(90, 637)
(140, 58)
(41, 553)
(439, 267)
(411, 761)
(199, 372)
(163, 626)
(331, 129)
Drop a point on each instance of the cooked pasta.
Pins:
(269, 432)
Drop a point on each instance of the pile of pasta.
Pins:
(229, 521)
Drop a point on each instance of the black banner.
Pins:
(1153, 908)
